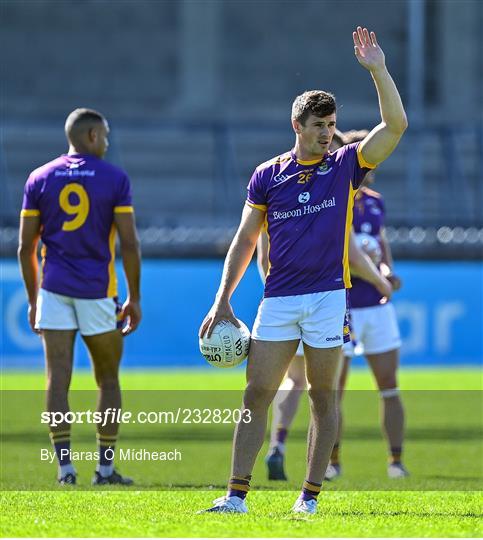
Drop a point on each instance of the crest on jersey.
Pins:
(323, 168)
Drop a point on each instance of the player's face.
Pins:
(100, 139)
(316, 134)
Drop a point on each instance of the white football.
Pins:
(227, 346)
(370, 245)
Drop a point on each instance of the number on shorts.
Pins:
(79, 210)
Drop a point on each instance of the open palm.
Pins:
(367, 50)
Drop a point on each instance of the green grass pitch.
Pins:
(443, 452)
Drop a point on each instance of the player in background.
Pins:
(75, 205)
(368, 216)
(286, 401)
(305, 196)
(375, 324)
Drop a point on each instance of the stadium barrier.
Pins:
(439, 310)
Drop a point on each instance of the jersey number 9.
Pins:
(79, 210)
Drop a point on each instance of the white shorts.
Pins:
(90, 317)
(317, 319)
(376, 330)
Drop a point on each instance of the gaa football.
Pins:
(370, 245)
(227, 346)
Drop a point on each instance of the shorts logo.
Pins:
(335, 338)
(304, 197)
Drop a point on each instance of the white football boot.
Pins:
(305, 507)
(397, 470)
(332, 471)
(230, 505)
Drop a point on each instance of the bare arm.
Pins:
(362, 266)
(236, 262)
(131, 260)
(388, 263)
(383, 139)
(29, 236)
(386, 249)
(262, 255)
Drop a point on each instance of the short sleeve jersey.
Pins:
(369, 213)
(308, 207)
(76, 197)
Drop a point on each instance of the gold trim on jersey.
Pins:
(265, 225)
(43, 254)
(348, 226)
(26, 212)
(123, 209)
(112, 286)
(362, 162)
(309, 162)
(282, 158)
(262, 207)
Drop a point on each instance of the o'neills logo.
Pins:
(305, 210)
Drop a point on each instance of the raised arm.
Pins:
(236, 262)
(131, 260)
(29, 236)
(383, 139)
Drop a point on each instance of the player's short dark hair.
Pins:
(316, 102)
(355, 135)
(81, 120)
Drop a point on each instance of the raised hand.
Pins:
(367, 50)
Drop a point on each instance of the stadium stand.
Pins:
(190, 154)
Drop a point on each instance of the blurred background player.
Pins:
(75, 204)
(308, 222)
(383, 331)
(374, 322)
(287, 399)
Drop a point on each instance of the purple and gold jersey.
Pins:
(76, 197)
(369, 213)
(308, 207)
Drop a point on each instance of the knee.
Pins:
(387, 381)
(58, 380)
(323, 400)
(108, 382)
(257, 396)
